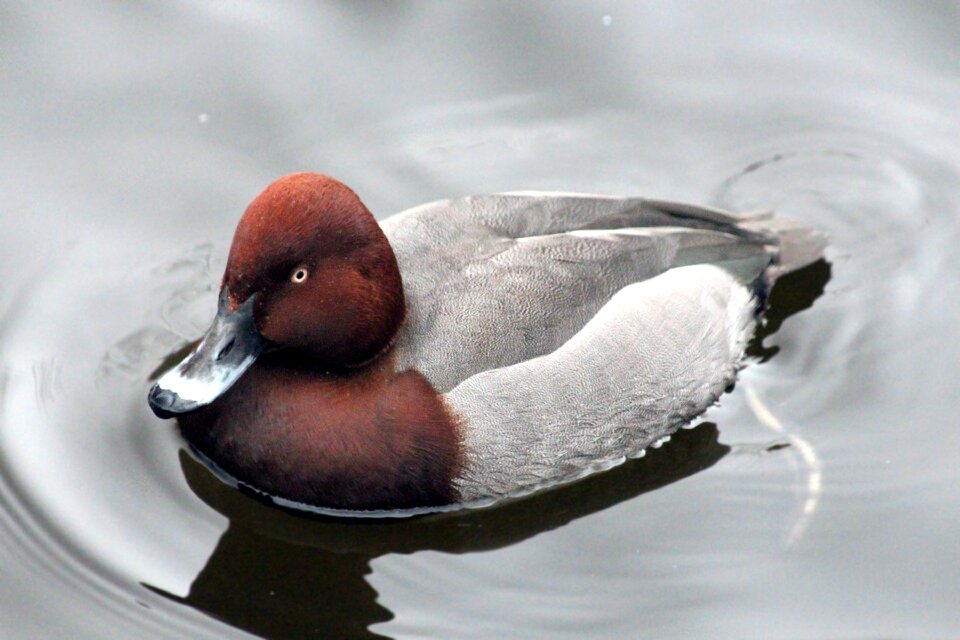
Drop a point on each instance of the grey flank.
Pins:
(571, 331)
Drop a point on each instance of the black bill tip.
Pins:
(162, 402)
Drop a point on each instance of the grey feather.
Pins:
(656, 356)
(495, 280)
(513, 307)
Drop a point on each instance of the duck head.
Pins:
(309, 273)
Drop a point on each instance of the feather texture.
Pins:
(572, 331)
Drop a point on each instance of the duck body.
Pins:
(466, 350)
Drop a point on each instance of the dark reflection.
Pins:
(792, 294)
(282, 574)
(289, 574)
(278, 589)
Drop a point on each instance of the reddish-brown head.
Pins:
(325, 278)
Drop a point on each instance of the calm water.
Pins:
(820, 500)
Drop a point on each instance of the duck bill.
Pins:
(228, 349)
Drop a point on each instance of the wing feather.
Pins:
(494, 280)
(657, 355)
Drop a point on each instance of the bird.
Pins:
(467, 350)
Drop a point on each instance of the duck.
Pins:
(467, 350)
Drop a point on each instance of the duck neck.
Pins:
(335, 373)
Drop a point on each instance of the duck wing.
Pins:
(658, 354)
(491, 281)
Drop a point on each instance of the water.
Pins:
(134, 135)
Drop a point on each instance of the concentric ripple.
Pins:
(134, 136)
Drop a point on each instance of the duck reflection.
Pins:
(793, 293)
(285, 574)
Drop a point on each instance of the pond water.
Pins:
(820, 499)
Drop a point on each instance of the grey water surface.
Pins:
(821, 499)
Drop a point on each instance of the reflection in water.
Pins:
(839, 114)
(792, 294)
(813, 485)
(287, 575)
(276, 589)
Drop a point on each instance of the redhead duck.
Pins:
(465, 350)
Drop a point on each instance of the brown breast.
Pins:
(368, 439)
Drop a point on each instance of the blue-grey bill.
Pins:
(227, 350)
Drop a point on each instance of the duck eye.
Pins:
(299, 275)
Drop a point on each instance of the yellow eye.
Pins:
(299, 275)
